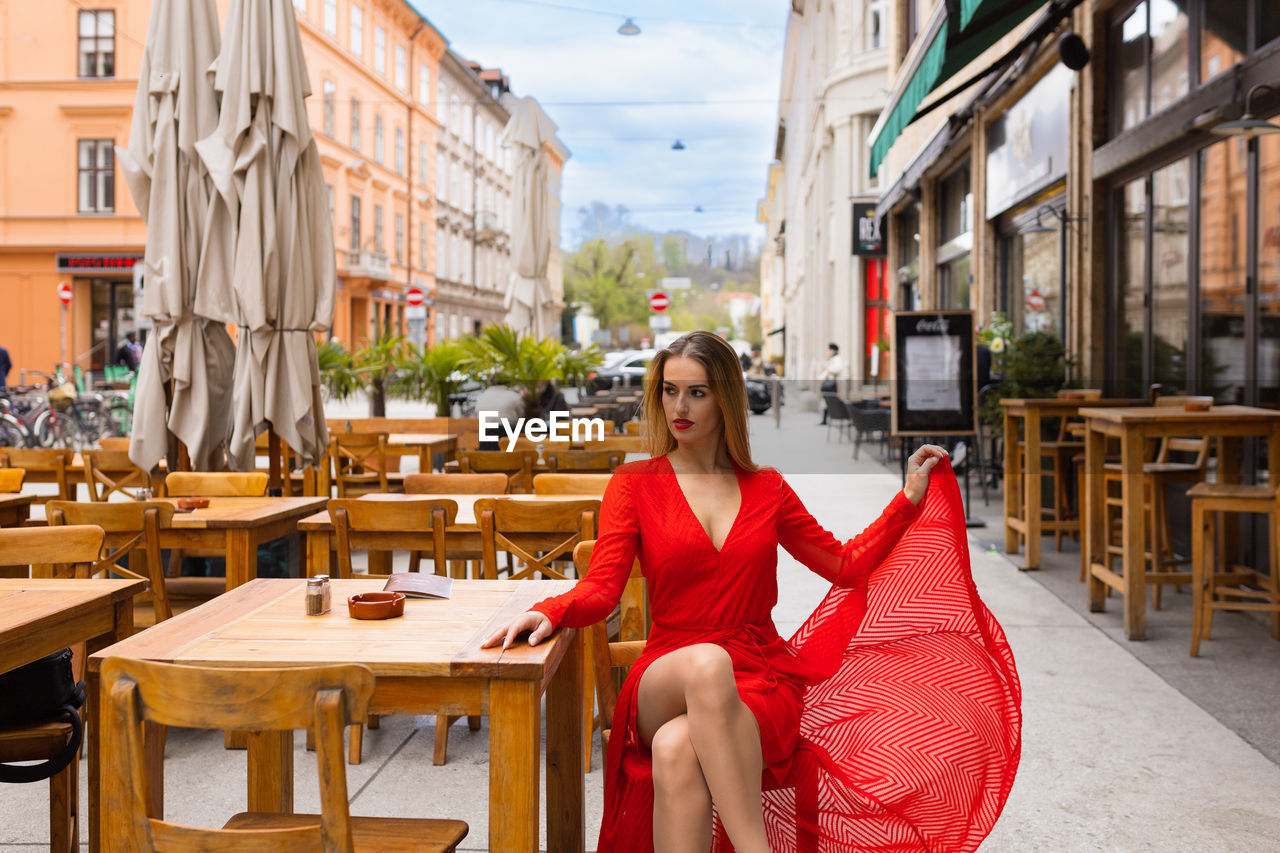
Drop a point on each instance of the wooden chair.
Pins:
(11, 480)
(108, 472)
(517, 465)
(114, 443)
(634, 427)
(359, 463)
(838, 415)
(1061, 450)
(217, 484)
(538, 533)
(42, 464)
(584, 461)
(454, 484)
(592, 485)
(131, 530)
(364, 526)
(1214, 586)
(321, 699)
(79, 548)
(296, 479)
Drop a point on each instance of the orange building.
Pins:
(68, 74)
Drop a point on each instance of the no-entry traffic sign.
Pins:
(64, 292)
(414, 296)
(659, 301)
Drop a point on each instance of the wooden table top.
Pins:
(263, 623)
(30, 607)
(15, 499)
(421, 437)
(1177, 414)
(466, 507)
(1057, 403)
(234, 512)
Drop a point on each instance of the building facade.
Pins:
(824, 281)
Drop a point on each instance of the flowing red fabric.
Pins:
(890, 722)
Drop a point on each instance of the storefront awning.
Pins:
(958, 33)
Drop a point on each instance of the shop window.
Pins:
(377, 228)
(1169, 62)
(907, 227)
(399, 238)
(330, 106)
(957, 205)
(1268, 271)
(356, 33)
(1268, 22)
(402, 69)
(1224, 31)
(377, 139)
(355, 124)
(380, 50)
(96, 177)
(1150, 66)
(1170, 279)
(1223, 206)
(97, 43)
(1131, 275)
(399, 153)
(331, 17)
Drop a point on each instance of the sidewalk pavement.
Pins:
(1114, 758)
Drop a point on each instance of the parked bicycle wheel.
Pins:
(13, 433)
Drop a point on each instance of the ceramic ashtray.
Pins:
(1197, 405)
(376, 605)
(192, 503)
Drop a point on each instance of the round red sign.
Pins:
(659, 301)
(414, 296)
(64, 292)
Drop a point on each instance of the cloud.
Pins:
(692, 74)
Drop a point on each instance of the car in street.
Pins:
(627, 369)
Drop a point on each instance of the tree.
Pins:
(673, 256)
(612, 279)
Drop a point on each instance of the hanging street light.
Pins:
(1248, 126)
(629, 28)
(677, 145)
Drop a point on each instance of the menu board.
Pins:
(934, 391)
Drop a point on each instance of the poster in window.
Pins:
(934, 391)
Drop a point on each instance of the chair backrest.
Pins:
(584, 461)
(455, 484)
(1196, 445)
(42, 460)
(72, 551)
(216, 484)
(323, 699)
(128, 526)
(521, 443)
(363, 526)
(11, 479)
(624, 443)
(114, 443)
(571, 484)
(108, 472)
(606, 655)
(539, 533)
(836, 409)
(634, 427)
(359, 461)
(517, 465)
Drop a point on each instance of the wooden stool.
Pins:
(1224, 590)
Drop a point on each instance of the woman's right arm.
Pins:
(593, 597)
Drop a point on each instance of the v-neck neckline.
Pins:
(742, 499)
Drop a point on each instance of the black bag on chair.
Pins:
(828, 386)
(44, 690)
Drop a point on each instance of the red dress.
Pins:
(889, 722)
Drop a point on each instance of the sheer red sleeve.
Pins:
(848, 563)
(595, 596)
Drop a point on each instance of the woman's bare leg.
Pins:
(681, 800)
(697, 682)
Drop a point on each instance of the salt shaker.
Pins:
(318, 595)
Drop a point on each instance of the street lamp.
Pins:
(677, 145)
(1248, 126)
(629, 28)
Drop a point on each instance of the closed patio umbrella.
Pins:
(174, 107)
(270, 229)
(528, 289)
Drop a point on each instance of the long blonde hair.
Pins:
(724, 373)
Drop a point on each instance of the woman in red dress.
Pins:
(889, 722)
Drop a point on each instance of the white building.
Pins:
(813, 284)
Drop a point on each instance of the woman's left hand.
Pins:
(918, 467)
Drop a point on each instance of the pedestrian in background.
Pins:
(832, 373)
(6, 364)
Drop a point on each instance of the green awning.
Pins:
(959, 31)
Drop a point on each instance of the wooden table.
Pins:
(14, 509)
(427, 662)
(1025, 517)
(1134, 426)
(424, 444)
(39, 616)
(237, 526)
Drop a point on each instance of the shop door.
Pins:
(113, 317)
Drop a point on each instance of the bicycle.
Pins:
(70, 419)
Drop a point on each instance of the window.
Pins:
(468, 124)
(422, 245)
(422, 163)
(442, 180)
(1150, 65)
(300, 5)
(911, 20)
(399, 150)
(328, 191)
(97, 44)
(96, 176)
(377, 227)
(455, 113)
(330, 96)
(453, 185)
(377, 138)
(402, 69)
(380, 50)
(875, 25)
(442, 255)
(355, 223)
(331, 17)
(355, 123)
(356, 33)
(442, 99)
(424, 85)
(399, 238)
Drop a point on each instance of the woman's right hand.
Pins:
(537, 624)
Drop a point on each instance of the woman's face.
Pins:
(691, 409)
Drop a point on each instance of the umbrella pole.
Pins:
(274, 486)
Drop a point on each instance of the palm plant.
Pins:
(432, 374)
(501, 354)
(338, 374)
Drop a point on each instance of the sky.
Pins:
(705, 72)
